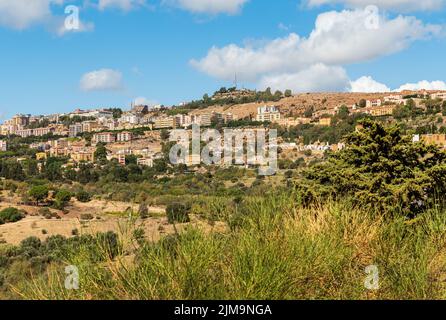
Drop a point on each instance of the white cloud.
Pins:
(338, 38)
(20, 14)
(434, 85)
(395, 5)
(61, 30)
(317, 77)
(368, 85)
(101, 80)
(209, 6)
(143, 101)
(120, 4)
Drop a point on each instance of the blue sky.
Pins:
(161, 51)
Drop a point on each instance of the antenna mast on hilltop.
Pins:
(235, 80)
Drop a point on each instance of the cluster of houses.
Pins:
(121, 142)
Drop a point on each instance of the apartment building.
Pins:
(20, 120)
(396, 99)
(38, 132)
(91, 126)
(75, 129)
(204, 120)
(84, 155)
(104, 137)
(130, 118)
(326, 122)
(373, 103)
(268, 113)
(166, 123)
(124, 136)
(438, 95)
(292, 122)
(223, 117)
(145, 162)
(3, 145)
(380, 111)
(98, 114)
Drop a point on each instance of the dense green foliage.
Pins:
(380, 169)
(10, 215)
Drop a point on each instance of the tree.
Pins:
(62, 198)
(309, 112)
(164, 135)
(380, 169)
(10, 215)
(39, 193)
(343, 112)
(362, 103)
(100, 153)
(83, 196)
(288, 93)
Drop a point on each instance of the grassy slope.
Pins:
(275, 250)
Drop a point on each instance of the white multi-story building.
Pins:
(268, 113)
(98, 114)
(373, 103)
(75, 129)
(3, 145)
(130, 118)
(439, 95)
(105, 137)
(396, 98)
(124, 136)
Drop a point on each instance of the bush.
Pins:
(178, 212)
(10, 215)
(381, 169)
(83, 196)
(63, 196)
(143, 211)
(39, 193)
(86, 216)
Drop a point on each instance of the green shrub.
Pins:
(39, 193)
(86, 216)
(83, 196)
(10, 215)
(177, 212)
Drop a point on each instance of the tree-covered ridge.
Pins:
(382, 169)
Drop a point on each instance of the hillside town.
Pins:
(138, 131)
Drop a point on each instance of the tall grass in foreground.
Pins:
(274, 250)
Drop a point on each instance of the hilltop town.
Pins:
(141, 131)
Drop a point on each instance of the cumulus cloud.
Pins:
(317, 77)
(62, 30)
(102, 80)
(143, 101)
(368, 85)
(338, 39)
(209, 6)
(426, 85)
(394, 5)
(120, 4)
(20, 14)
